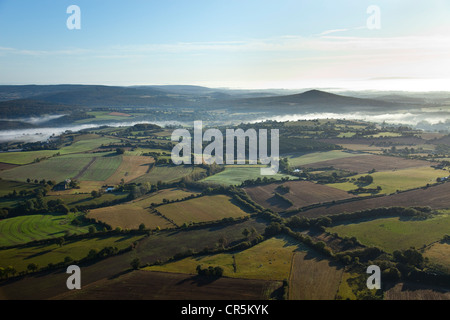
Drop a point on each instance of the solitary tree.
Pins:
(32, 267)
(135, 263)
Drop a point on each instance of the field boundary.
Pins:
(85, 168)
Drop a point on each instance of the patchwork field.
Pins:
(392, 234)
(23, 229)
(365, 163)
(130, 168)
(83, 143)
(435, 197)
(20, 158)
(85, 199)
(302, 159)
(146, 285)
(313, 277)
(301, 193)
(86, 143)
(131, 214)
(392, 181)
(42, 255)
(166, 244)
(166, 174)
(268, 260)
(235, 175)
(82, 166)
(101, 168)
(206, 208)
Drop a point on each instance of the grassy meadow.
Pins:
(392, 181)
(268, 260)
(392, 234)
(23, 229)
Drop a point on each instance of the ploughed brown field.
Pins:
(6, 166)
(301, 193)
(149, 285)
(365, 163)
(436, 197)
(414, 291)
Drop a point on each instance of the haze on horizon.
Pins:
(290, 44)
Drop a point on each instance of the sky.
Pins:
(291, 44)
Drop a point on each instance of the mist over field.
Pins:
(434, 121)
(419, 120)
(44, 133)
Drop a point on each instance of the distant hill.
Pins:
(20, 108)
(59, 97)
(107, 96)
(15, 92)
(312, 100)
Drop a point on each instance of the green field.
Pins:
(296, 160)
(384, 134)
(166, 174)
(159, 196)
(235, 175)
(85, 199)
(206, 208)
(391, 181)
(87, 143)
(141, 151)
(23, 229)
(103, 116)
(79, 146)
(64, 167)
(396, 233)
(102, 168)
(42, 255)
(131, 214)
(25, 157)
(268, 260)
(6, 187)
(439, 253)
(346, 134)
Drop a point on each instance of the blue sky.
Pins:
(227, 43)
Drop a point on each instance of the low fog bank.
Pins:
(43, 134)
(430, 121)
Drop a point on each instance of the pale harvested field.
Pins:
(129, 216)
(313, 277)
(206, 208)
(132, 167)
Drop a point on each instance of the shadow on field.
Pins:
(198, 280)
(318, 257)
(117, 275)
(38, 254)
